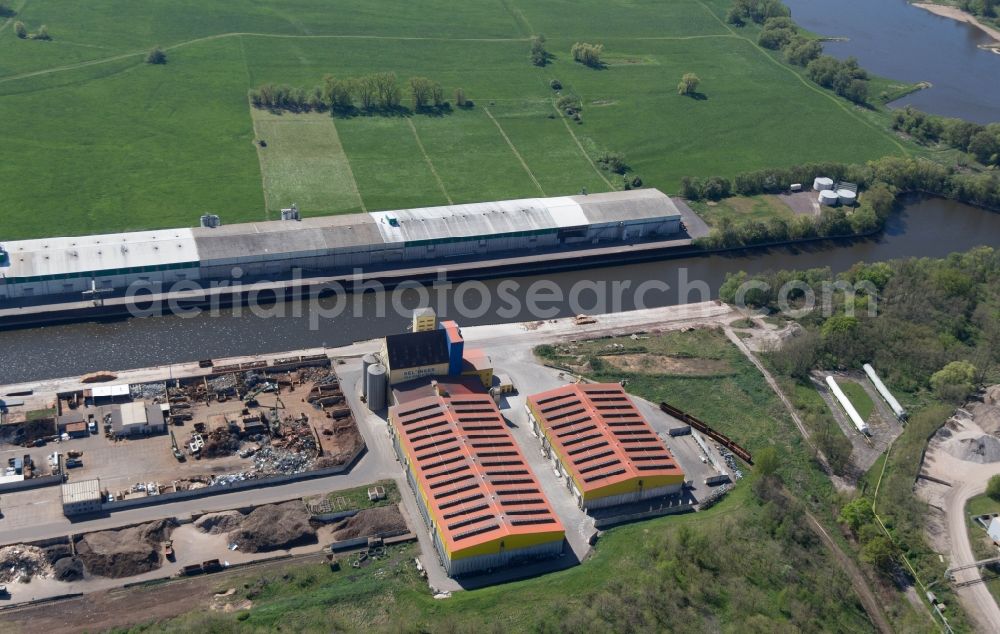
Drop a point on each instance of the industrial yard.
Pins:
(229, 425)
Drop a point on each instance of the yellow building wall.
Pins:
(485, 375)
(510, 542)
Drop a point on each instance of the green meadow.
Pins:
(96, 140)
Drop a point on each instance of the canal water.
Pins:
(923, 228)
(893, 39)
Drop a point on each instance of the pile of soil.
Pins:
(218, 523)
(56, 552)
(21, 563)
(125, 552)
(274, 527)
(973, 446)
(68, 569)
(987, 415)
(376, 522)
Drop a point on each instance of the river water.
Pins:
(893, 39)
(931, 228)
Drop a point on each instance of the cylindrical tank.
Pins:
(828, 197)
(821, 183)
(377, 386)
(367, 361)
(846, 197)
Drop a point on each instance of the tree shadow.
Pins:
(697, 96)
(7, 12)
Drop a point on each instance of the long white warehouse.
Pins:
(847, 405)
(897, 409)
(378, 240)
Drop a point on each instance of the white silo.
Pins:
(367, 361)
(377, 385)
(822, 183)
(828, 197)
(847, 197)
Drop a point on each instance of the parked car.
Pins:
(92, 427)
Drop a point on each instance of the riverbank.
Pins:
(954, 13)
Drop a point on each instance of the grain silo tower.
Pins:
(377, 381)
(367, 361)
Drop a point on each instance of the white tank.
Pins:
(821, 183)
(845, 402)
(847, 197)
(367, 361)
(377, 386)
(828, 197)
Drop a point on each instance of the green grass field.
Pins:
(739, 209)
(859, 398)
(97, 140)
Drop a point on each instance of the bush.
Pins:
(6, 12)
(156, 56)
(993, 488)
(42, 34)
(688, 84)
(539, 56)
(954, 381)
(845, 78)
(555, 84)
(20, 30)
(460, 98)
(570, 104)
(588, 54)
(612, 162)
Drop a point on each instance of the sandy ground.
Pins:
(955, 13)
(966, 479)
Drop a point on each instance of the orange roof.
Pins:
(600, 434)
(476, 359)
(454, 332)
(474, 479)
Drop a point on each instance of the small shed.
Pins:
(77, 430)
(994, 530)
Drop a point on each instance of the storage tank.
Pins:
(897, 409)
(847, 405)
(367, 361)
(821, 183)
(377, 386)
(847, 197)
(828, 197)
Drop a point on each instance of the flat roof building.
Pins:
(137, 417)
(477, 494)
(81, 497)
(603, 445)
(68, 266)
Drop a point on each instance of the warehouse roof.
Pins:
(475, 220)
(475, 481)
(635, 204)
(82, 491)
(84, 255)
(600, 435)
(417, 349)
(282, 238)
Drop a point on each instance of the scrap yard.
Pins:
(234, 424)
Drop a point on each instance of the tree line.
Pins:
(982, 8)
(981, 141)
(374, 93)
(883, 181)
(780, 33)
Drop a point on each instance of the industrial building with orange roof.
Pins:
(604, 446)
(484, 506)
